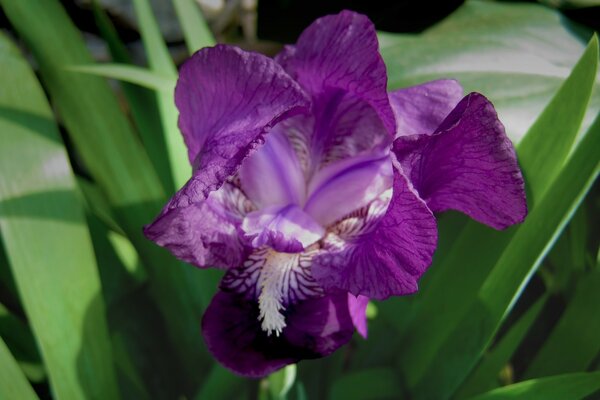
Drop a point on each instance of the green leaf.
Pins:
(517, 55)
(369, 384)
(220, 384)
(485, 376)
(13, 384)
(281, 382)
(503, 286)
(564, 117)
(195, 30)
(119, 165)
(161, 63)
(47, 240)
(573, 343)
(128, 73)
(570, 386)
(21, 343)
(141, 101)
(458, 274)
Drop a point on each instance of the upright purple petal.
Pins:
(273, 176)
(228, 99)
(421, 109)
(341, 52)
(204, 234)
(468, 164)
(347, 185)
(337, 61)
(315, 328)
(389, 258)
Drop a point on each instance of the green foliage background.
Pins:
(90, 309)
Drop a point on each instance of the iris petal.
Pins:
(286, 229)
(273, 175)
(228, 99)
(347, 185)
(206, 233)
(468, 164)
(421, 109)
(341, 52)
(389, 257)
(316, 328)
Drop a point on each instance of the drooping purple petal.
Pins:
(272, 176)
(284, 228)
(390, 257)
(468, 164)
(420, 109)
(341, 52)
(315, 328)
(347, 185)
(206, 233)
(228, 99)
(358, 312)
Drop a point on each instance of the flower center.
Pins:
(271, 285)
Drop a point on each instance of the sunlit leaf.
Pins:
(116, 160)
(516, 54)
(161, 63)
(196, 32)
(128, 73)
(47, 240)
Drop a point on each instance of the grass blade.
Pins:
(565, 118)
(161, 63)
(571, 386)
(119, 165)
(142, 102)
(21, 343)
(13, 384)
(47, 240)
(485, 376)
(127, 73)
(573, 343)
(195, 30)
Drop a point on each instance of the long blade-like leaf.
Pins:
(142, 102)
(574, 341)
(116, 160)
(13, 384)
(485, 376)
(195, 30)
(161, 63)
(570, 386)
(127, 73)
(47, 240)
(21, 343)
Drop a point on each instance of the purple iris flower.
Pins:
(315, 188)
